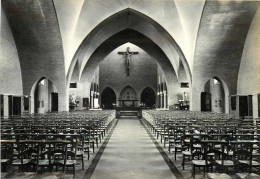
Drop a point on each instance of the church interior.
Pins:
(130, 89)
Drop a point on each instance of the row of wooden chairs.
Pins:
(188, 135)
(35, 154)
(38, 131)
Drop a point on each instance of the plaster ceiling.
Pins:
(180, 18)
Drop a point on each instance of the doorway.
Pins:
(108, 98)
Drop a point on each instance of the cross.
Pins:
(128, 54)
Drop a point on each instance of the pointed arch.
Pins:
(134, 20)
(148, 97)
(108, 98)
(128, 92)
(216, 94)
(43, 99)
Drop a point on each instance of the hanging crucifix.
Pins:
(128, 57)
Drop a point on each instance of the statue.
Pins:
(128, 55)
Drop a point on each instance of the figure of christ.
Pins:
(128, 55)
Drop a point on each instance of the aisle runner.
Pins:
(130, 154)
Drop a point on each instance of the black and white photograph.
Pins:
(130, 89)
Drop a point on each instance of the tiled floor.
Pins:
(130, 154)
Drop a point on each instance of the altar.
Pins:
(128, 103)
(128, 107)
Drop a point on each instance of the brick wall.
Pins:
(10, 71)
(36, 33)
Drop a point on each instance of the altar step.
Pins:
(128, 113)
(132, 112)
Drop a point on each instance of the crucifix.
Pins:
(128, 55)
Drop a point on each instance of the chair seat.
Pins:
(218, 176)
(19, 161)
(255, 146)
(43, 162)
(210, 154)
(255, 153)
(217, 146)
(231, 153)
(197, 146)
(186, 153)
(247, 175)
(225, 162)
(69, 162)
(254, 163)
(80, 153)
(177, 146)
(199, 162)
(5, 160)
(187, 140)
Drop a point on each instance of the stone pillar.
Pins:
(161, 101)
(158, 100)
(165, 99)
(6, 106)
(91, 99)
(22, 105)
(255, 106)
(159, 92)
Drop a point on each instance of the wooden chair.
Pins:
(224, 162)
(177, 141)
(57, 154)
(243, 157)
(200, 157)
(186, 149)
(6, 154)
(29, 156)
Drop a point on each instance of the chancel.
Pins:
(130, 89)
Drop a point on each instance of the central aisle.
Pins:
(131, 154)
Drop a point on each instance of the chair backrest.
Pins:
(178, 133)
(243, 151)
(60, 150)
(7, 151)
(196, 148)
(223, 153)
(29, 151)
(185, 142)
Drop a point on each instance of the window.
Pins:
(184, 85)
(73, 85)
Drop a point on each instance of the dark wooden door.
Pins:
(86, 102)
(54, 102)
(243, 106)
(205, 101)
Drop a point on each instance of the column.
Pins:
(158, 99)
(165, 99)
(22, 105)
(162, 94)
(97, 92)
(91, 96)
(161, 101)
(6, 106)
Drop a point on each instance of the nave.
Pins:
(163, 144)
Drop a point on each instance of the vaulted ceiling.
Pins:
(199, 31)
(179, 18)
